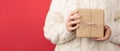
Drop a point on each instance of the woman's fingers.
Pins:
(74, 28)
(107, 34)
(74, 12)
(74, 17)
(74, 22)
(73, 25)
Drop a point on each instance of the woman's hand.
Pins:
(107, 34)
(73, 21)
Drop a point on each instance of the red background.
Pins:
(21, 25)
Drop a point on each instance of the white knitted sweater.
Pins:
(55, 29)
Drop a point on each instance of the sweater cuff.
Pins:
(115, 35)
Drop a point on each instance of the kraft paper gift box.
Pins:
(91, 23)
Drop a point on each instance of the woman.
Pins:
(63, 14)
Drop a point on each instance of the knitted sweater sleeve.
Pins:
(115, 26)
(55, 29)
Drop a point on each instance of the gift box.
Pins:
(91, 23)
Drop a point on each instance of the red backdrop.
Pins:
(21, 25)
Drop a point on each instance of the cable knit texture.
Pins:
(55, 29)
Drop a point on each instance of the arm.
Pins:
(55, 29)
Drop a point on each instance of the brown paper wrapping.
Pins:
(91, 23)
